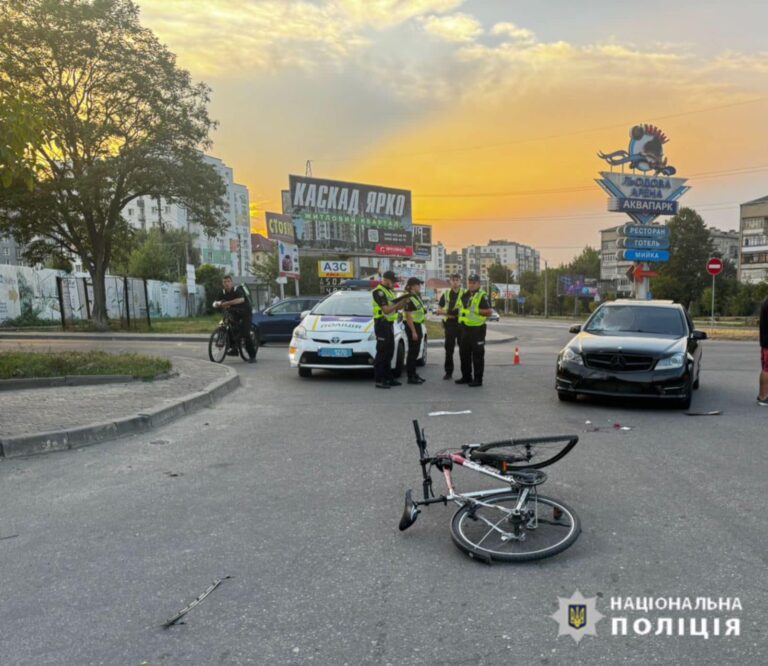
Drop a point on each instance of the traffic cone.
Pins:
(517, 356)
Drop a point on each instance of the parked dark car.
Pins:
(276, 322)
(639, 349)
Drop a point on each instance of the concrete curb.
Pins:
(146, 337)
(497, 341)
(72, 380)
(95, 433)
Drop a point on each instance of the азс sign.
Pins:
(332, 268)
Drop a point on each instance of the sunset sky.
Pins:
(490, 111)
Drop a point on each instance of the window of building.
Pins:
(753, 223)
(167, 210)
(130, 212)
(753, 241)
(6, 252)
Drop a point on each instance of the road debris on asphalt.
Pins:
(174, 620)
(715, 412)
(615, 426)
(11, 536)
(466, 411)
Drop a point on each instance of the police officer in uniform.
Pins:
(448, 306)
(415, 315)
(385, 307)
(474, 310)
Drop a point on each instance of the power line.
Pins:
(562, 218)
(738, 171)
(549, 137)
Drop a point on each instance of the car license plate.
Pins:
(335, 352)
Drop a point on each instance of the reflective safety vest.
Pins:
(420, 313)
(377, 312)
(470, 315)
(457, 303)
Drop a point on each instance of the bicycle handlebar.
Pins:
(420, 441)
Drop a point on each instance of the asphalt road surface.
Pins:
(294, 488)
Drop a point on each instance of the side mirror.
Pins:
(304, 314)
(699, 335)
(576, 328)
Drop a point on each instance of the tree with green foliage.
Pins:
(121, 121)
(266, 270)
(210, 277)
(158, 255)
(499, 273)
(21, 126)
(586, 264)
(684, 277)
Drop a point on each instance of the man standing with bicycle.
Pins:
(233, 299)
(385, 307)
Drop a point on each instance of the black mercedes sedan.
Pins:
(634, 349)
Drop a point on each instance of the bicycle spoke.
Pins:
(482, 532)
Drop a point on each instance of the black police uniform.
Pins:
(449, 302)
(472, 344)
(241, 316)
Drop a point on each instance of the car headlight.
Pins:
(570, 356)
(674, 361)
(300, 332)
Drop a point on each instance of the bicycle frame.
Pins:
(444, 462)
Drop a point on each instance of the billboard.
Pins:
(335, 268)
(351, 216)
(422, 241)
(577, 285)
(288, 260)
(280, 228)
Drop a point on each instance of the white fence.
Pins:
(23, 289)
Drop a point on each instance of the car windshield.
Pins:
(636, 319)
(351, 304)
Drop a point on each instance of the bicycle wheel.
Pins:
(491, 531)
(217, 345)
(254, 341)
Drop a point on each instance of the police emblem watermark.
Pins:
(577, 617)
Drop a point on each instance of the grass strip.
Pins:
(23, 365)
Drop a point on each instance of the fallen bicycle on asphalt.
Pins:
(510, 524)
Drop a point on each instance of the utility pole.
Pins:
(546, 290)
(506, 294)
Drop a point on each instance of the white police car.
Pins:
(338, 335)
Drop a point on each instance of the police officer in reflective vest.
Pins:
(448, 306)
(415, 315)
(385, 307)
(474, 310)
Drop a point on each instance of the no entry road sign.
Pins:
(715, 266)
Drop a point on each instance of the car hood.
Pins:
(647, 344)
(332, 323)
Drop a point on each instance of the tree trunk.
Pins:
(99, 308)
